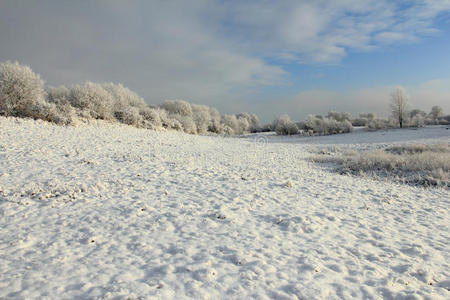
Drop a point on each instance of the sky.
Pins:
(265, 57)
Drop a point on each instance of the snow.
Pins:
(112, 212)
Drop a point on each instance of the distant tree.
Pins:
(436, 113)
(368, 116)
(284, 126)
(399, 105)
(417, 112)
(339, 116)
(177, 107)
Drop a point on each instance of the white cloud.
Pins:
(207, 51)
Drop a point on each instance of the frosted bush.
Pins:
(368, 116)
(58, 95)
(187, 124)
(436, 113)
(417, 121)
(201, 117)
(63, 111)
(151, 117)
(174, 124)
(346, 126)
(168, 121)
(214, 125)
(123, 97)
(252, 121)
(229, 124)
(284, 126)
(94, 99)
(243, 125)
(339, 116)
(177, 107)
(327, 126)
(445, 120)
(379, 124)
(360, 122)
(21, 92)
(128, 115)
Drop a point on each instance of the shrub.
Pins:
(284, 126)
(93, 99)
(436, 113)
(128, 115)
(177, 107)
(417, 121)
(151, 117)
(187, 124)
(64, 113)
(251, 122)
(360, 122)
(338, 116)
(368, 116)
(379, 124)
(229, 125)
(201, 117)
(59, 95)
(123, 97)
(445, 120)
(327, 126)
(21, 92)
(243, 125)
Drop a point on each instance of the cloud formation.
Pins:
(208, 51)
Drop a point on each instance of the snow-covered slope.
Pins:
(110, 211)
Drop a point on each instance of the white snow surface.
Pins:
(108, 211)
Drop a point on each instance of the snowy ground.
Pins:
(116, 212)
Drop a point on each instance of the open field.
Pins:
(115, 212)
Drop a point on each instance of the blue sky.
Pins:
(268, 57)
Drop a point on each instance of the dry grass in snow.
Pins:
(418, 164)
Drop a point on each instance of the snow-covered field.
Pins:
(115, 212)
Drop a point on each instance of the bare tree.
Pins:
(399, 105)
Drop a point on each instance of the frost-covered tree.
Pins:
(58, 95)
(327, 126)
(252, 120)
(59, 99)
(124, 97)
(93, 99)
(129, 115)
(201, 117)
(339, 116)
(436, 113)
(178, 107)
(214, 126)
(243, 125)
(417, 112)
(21, 91)
(230, 124)
(399, 106)
(127, 104)
(151, 117)
(284, 126)
(187, 124)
